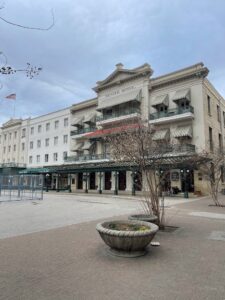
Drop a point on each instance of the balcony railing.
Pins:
(87, 157)
(82, 130)
(183, 148)
(171, 112)
(118, 114)
(12, 165)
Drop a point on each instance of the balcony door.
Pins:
(122, 178)
(108, 184)
(80, 181)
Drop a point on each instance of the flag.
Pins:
(11, 97)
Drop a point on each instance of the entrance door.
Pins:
(122, 180)
(92, 181)
(108, 184)
(80, 181)
(189, 181)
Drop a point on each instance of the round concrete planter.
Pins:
(144, 218)
(127, 243)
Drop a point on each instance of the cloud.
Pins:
(90, 37)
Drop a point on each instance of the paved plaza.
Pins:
(50, 250)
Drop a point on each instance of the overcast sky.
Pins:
(90, 36)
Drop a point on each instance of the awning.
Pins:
(77, 147)
(104, 132)
(159, 135)
(185, 131)
(87, 145)
(35, 171)
(116, 100)
(160, 100)
(77, 121)
(182, 94)
(89, 118)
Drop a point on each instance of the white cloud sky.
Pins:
(91, 36)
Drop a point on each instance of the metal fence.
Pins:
(21, 187)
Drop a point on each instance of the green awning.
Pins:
(35, 171)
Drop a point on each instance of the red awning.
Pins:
(103, 132)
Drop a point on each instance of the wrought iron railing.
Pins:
(171, 112)
(82, 130)
(12, 165)
(87, 157)
(121, 113)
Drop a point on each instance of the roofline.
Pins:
(84, 104)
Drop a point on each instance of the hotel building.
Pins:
(183, 106)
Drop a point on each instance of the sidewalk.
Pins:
(72, 263)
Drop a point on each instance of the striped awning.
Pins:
(77, 121)
(182, 94)
(185, 131)
(87, 145)
(90, 118)
(161, 134)
(120, 99)
(160, 100)
(77, 147)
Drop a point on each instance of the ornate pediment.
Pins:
(121, 75)
(12, 122)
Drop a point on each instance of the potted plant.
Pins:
(127, 238)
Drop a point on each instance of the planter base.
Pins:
(128, 254)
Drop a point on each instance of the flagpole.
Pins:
(14, 106)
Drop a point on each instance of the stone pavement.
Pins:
(72, 262)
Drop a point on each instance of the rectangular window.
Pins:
(31, 145)
(39, 128)
(56, 141)
(32, 130)
(46, 157)
(66, 122)
(39, 143)
(23, 146)
(56, 124)
(47, 126)
(23, 132)
(10, 135)
(14, 147)
(15, 134)
(209, 105)
(9, 148)
(30, 159)
(46, 142)
(55, 156)
(218, 113)
(210, 139)
(5, 137)
(65, 139)
(220, 142)
(4, 149)
(38, 158)
(65, 155)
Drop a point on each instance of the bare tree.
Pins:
(136, 147)
(213, 171)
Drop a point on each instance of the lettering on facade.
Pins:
(119, 91)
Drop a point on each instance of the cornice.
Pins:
(84, 104)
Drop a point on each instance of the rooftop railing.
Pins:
(118, 114)
(171, 112)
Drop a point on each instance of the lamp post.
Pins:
(116, 182)
(185, 172)
(46, 180)
(100, 182)
(133, 175)
(85, 178)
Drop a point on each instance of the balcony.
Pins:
(12, 165)
(88, 157)
(172, 115)
(118, 116)
(178, 148)
(82, 131)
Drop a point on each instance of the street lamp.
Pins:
(133, 175)
(116, 182)
(85, 178)
(46, 180)
(185, 172)
(100, 182)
